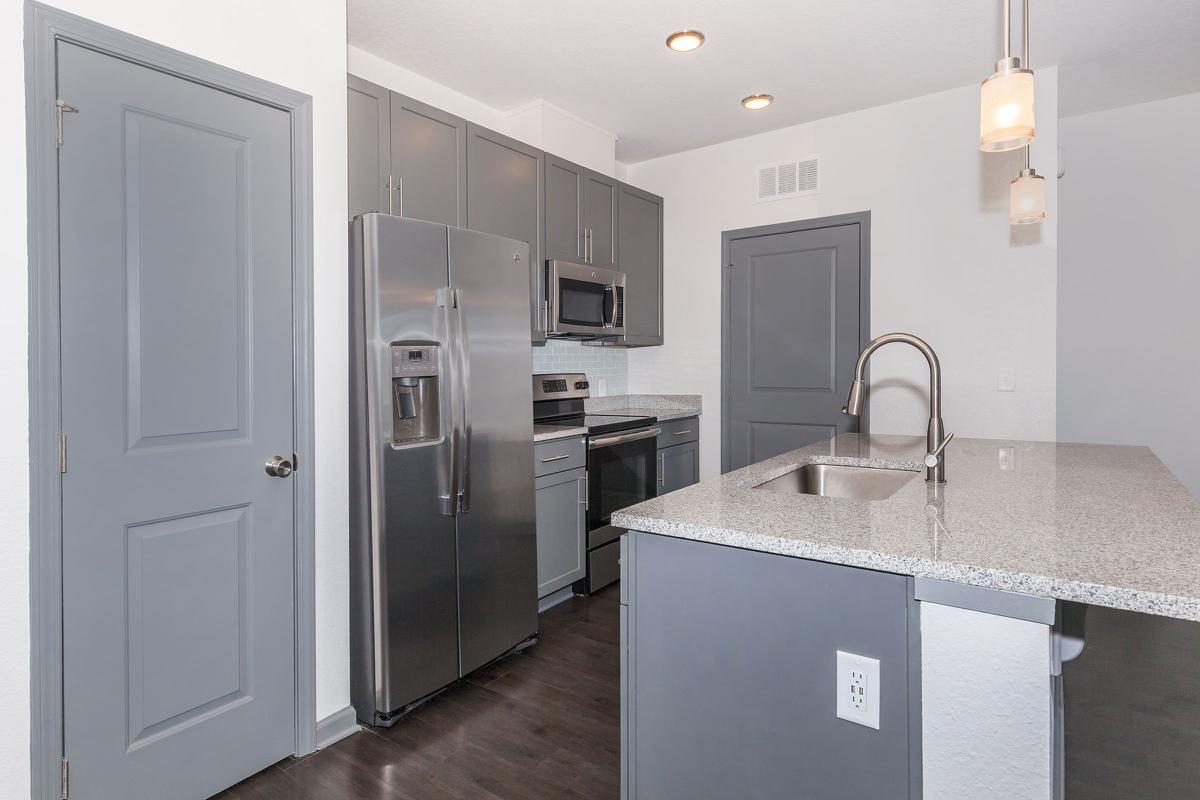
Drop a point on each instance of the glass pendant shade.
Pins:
(1006, 109)
(1027, 198)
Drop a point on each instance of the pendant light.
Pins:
(1006, 98)
(1027, 196)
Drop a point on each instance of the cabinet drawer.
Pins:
(557, 455)
(604, 566)
(679, 431)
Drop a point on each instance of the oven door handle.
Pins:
(609, 441)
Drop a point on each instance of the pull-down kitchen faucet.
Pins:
(935, 437)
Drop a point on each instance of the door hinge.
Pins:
(61, 108)
(66, 779)
(62, 452)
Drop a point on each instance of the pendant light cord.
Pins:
(1007, 28)
(1025, 35)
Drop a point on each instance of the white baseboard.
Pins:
(336, 726)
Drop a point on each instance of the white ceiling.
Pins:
(605, 60)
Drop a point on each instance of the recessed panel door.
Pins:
(176, 328)
(793, 309)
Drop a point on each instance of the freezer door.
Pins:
(404, 568)
(497, 546)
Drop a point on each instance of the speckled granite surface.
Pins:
(1096, 524)
(664, 406)
(546, 433)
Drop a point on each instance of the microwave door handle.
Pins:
(464, 389)
(445, 301)
(612, 323)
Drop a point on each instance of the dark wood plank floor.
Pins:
(543, 724)
(1133, 709)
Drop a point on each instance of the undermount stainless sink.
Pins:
(841, 480)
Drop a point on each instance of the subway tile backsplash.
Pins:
(607, 368)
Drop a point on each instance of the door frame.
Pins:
(44, 27)
(860, 218)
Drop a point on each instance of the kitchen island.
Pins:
(969, 595)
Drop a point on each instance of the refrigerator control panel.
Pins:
(414, 360)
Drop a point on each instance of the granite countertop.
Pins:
(546, 433)
(1099, 524)
(665, 407)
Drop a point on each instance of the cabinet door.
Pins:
(640, 257)
(564, 193)
(560, 501)
(429, 162)
(504, 196)
(600, 218)
(368, 122)
(678, 466)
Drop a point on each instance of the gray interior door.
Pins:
(497, 546)
(429, 162)
(504, 197)
(793, 329)
(176, 327)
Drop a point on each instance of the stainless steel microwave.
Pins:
(584, 302)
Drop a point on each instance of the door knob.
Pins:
(278, 467)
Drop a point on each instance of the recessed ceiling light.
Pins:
(685, 41)
(758, 101)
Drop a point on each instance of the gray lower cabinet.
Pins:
(728, 675)
(678, 466)
(678, 454)
(640, 257)
(561, 506)
(504, 196)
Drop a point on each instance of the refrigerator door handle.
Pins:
(462, 346)
(445, 301)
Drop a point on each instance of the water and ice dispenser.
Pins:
(415, 403)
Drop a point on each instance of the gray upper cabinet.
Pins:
(581, 214)
(413, 160)
(640, 257)
(429, 157)
(600, 219)
(564, 195)
(504, 197)
(369, 111)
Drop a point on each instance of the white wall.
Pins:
(1129, 280)
(272, 40)
(985, 706)
(945, 264)
(14, 415)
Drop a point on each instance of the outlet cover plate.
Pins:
(858, 689)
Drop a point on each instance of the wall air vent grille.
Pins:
(791, 179)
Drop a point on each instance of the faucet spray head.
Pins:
(854, 403)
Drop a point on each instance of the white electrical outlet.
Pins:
(858, 689)
(1006, 380)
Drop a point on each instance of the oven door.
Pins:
(621, 473)
(585, 301)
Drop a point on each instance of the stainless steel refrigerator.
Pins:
(443, 550)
